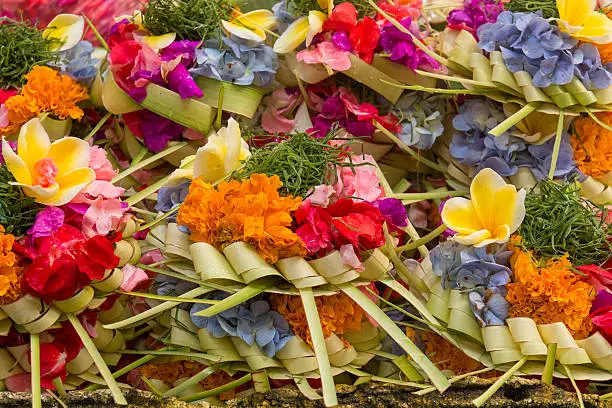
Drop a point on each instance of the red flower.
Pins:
(122, 58)
(343, 222)
(364, 38)
(65, 262)
(53, 359)
(343, 18)
(8, 93)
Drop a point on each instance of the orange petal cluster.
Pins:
(249, 210)
(550, 293)
(592, 145)
(170, 372)
(445, 355)
(339, 314)
(10, 272)
(46, 91)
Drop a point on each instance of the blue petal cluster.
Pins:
(236, 62)
(253, 324)
(473, 145)
(482, 274)
(529, 42)
(421, 119)
(171, 197)
(78, 62)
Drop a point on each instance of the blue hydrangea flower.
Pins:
(170, 286)
(78, 62)
(284, 17)
(236, 62)
(421, 119)
(472, 144)
(529, 42)
(483, 275)
(590, 70)
(253, 324)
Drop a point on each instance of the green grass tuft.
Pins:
(559, 221)
(17, 211)
(194, 20)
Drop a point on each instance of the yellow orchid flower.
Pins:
(222, 153)
(302, 29)
(495, 211)
(67, 29)
(158, 42)
(581, 21)
(52, 173)
(183, 173)
(252, 25)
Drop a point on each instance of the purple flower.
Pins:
(590, 69)
(393, 210)
(158, 131)
(402, 48)
(341, 41)
(474, 270)
(47, 222)
(474, 14)
(180, 81)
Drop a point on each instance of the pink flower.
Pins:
(326, 53)
(98, 161)
(321, 195)
(98, 188)
(152, 257)
(132, 277)
(349, 257)
(4, 119)
(359, 182)
(601, 278)
(103, 216)
(279, 103)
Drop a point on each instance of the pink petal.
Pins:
(349, 257)
(321, 195)
(18, 383)
(4, 119)
(132, 276)
(152, 257)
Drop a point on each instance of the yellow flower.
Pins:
(252, 25)
(302, 29)
(495, 211)
(222, 153)
(52, 173)
(67, 29)
(579, 18)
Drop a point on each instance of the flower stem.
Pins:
(96, 33)
(408, 150)
(190, 382)
(455, 379)
(98, 126)
(430, 195)
(578, 393)
(549, 367)
(422, 241)
(59, 386)
(98, 360)
(220, 108)
(480, 401)
(142, 194)
(148, 161)
(216, 391)
(598, 121)
(139, 156)
(557, 146)
(421, 88)
(513, 120)
(35, 372)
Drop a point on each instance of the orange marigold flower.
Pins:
(10, 272)
(48, 91)
(249, 210)
(339, 314)
(169, 373)
(445, 355)
(592, 145)
(605, 50)
(550, 293)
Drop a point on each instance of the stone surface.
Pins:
(516, 393)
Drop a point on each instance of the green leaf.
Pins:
(240, 99)
(244, 294)
(436, 377)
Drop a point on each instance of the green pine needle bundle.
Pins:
(194, 20)
(559, 221)
(302, 7)
(548, 7)
(17, 211)
(22, 46)
(301, 161)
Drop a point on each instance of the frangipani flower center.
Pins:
(44, 173)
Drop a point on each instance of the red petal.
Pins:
(343, 18)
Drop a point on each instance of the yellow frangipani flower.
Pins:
(251, 26)
(302, 29)
(581, 21)
(495, 211)
(52, 173)
(222, 153)
(67, 29)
